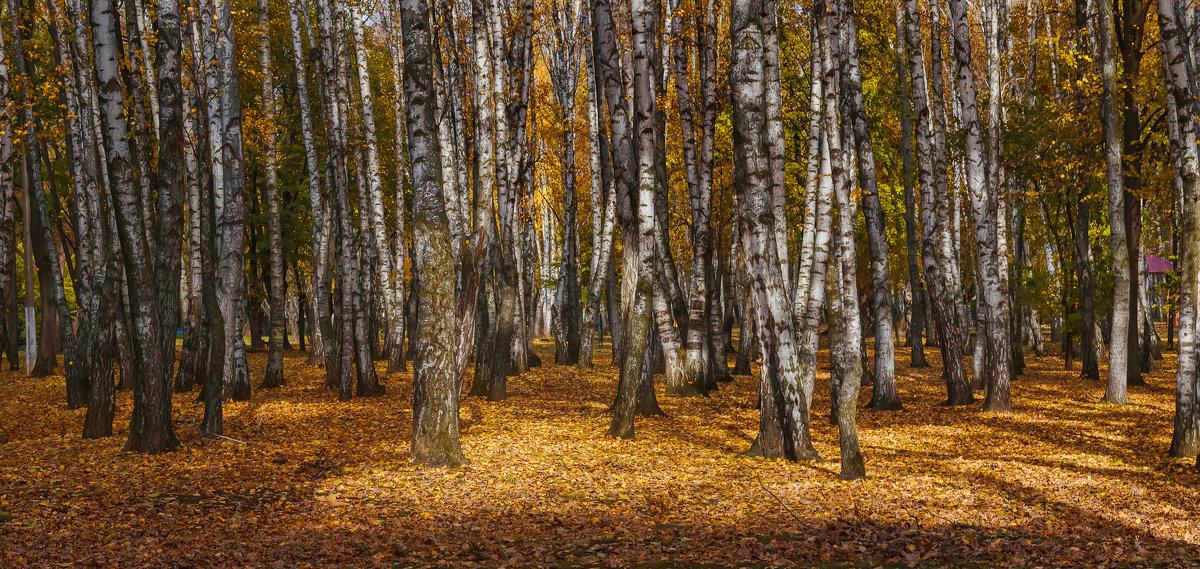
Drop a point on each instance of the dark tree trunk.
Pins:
(150, 428)
(918, 309)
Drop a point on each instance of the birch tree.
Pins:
(783, 424)
(1185, 441)
(1119, 353)
(563, 52)
(435, 389)
(8, 241)
(274, 372)
(231, 280)
(983, 193)
(918, 324)
(884, 396)
(935, 221)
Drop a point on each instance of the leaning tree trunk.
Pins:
(998, 354)
(884, 395)
(609, 73)
(435, 389)
(47, 253)
(320, 225)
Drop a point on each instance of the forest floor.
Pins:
(1062, 480)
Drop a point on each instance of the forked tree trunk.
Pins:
(783, 423)
(935, 246)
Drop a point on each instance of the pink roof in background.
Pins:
(1157, 264)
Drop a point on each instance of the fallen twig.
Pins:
(758, 477)
(227, 438)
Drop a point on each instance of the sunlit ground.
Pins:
(1062, 480)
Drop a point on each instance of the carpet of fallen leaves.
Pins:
(311, 481)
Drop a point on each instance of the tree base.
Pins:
(273, 378)
(853, 469)
(885, 404)
(996, 406)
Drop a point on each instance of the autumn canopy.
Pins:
(602, 283)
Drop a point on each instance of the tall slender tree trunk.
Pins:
(1129, 24)
(44, 248)
(435, 389)
(396, 357)
(845, 356)
(8, 240)
(918, 309)
(320, 225)
(150, 428)
(564, 73)
(274, 372)
(604, 208)
(376, 229)
(700, 371)
(884, 395)
(1185, 440)
(231, 281)
(639, 236)
(1119, 353)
